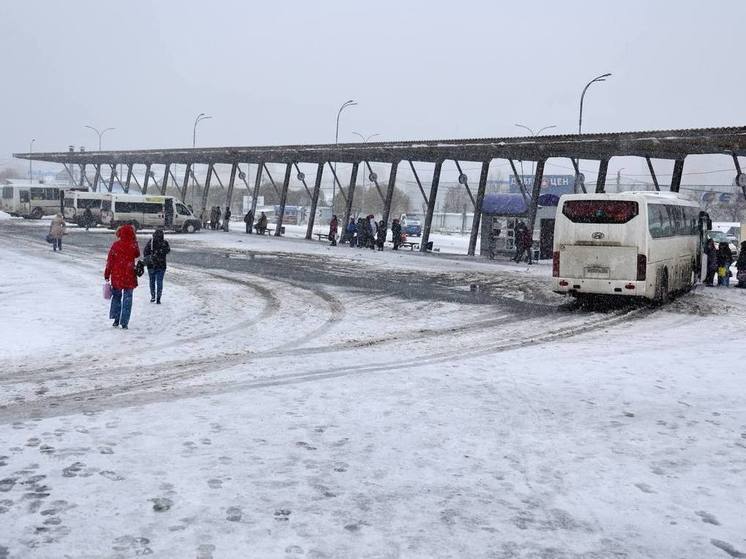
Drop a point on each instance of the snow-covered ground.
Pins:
(256, 417)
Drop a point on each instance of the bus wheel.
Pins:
(189, 228)
(36, 213)
(663, 295)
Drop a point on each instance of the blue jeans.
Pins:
(121, 305)
(156, 283)
(57, 244)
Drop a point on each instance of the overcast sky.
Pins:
(276, 72)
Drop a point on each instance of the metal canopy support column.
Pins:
(147, 179)
(283, 199)
(97, 177)
(206, 190)
(113, 174)
(374, 178)
(535, 191)
(579, 178)
(231, 182)
(336, 180)
(390, 192)
(350, 195)
(478, 208)
(69, 173)
(137, 182)
(274, 185)
(603, 167)
(83, 177)
(257, 184)
(185, 184)
(431, 206)
(740, 179)
(463, 179)
(652, 174)
(314, 200)
(519, 180)
(417, 178)
(678, 170)
(302, 178)
(164, 184)
(129, 178)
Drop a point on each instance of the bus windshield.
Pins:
(600, 211)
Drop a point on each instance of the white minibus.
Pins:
(76, 202)
(30, 201)
(640, 244)
(145, 211)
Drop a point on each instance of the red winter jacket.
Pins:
(120, 264)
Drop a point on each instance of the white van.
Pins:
(148, 212)
(30, 201)
(76, 202)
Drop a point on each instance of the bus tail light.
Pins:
(629, 286)
(642, 267)
(564, 283)
(555, 263)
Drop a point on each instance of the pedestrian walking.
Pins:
(248, 219)
(396, 233)
(352, 232)
(57, 228)
(741, 266)
(362, 232)
(333, 227)
(712, 262)
(155, 260)
(120, 270)
(519, 240)
(381, 234)
(88, 220)
(203, 218)
(724, 260)
(227, 219)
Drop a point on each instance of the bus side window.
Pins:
(654, 221)
(8, 192)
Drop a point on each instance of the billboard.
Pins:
(550, 184)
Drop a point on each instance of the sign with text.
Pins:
(550, 184)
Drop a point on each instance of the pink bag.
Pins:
(107, 291)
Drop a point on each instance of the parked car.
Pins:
(411, 225)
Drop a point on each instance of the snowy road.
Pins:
(283, 403)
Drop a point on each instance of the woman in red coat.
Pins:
(120, 267)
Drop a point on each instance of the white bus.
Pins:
(30, 201)
(640, 244)
(76, 202)
(148, 212)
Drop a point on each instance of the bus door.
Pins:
(169, 203)
(704, 224)
(24, 205)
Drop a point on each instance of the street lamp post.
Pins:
(99, 133)
(343, 106)
(31, 162)
(601, 78)
(365, 140)
(200, 118)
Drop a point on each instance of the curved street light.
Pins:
(99, 133)
(601, 78)
(365, 139)
(31, 162)
(200, 118)
(531, 131)
(342, 107)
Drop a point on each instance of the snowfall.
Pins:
(256, 416)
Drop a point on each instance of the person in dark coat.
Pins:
(396, 233)
(155, 259)
(261, 224)
(741, 266)
(248, 219)
(362, 236)
(120, 269)
(712, 262)
(520, 241)
(227, 220)
(88, 220)
(352, 232)
(333, 227)
(381, 234)
(725, 260)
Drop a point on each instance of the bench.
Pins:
(267, 231)
(411, 245)
(322, 236)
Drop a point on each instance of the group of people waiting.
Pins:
(365, 232)
(214, 222)
(261, 223)
(719, 261)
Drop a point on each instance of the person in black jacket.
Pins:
(741, 266)
(248, 219)
(155, 259)
(724, 259)
(396, 233)
(381, 234)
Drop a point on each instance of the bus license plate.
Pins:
(596, 272)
